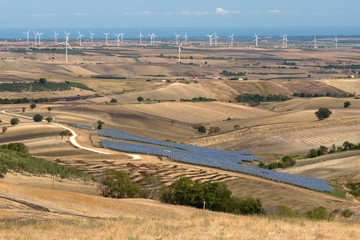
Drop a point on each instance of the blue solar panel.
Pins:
(227, 160)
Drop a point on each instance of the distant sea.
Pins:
(17, 33)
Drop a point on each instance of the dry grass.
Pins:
(198, 225)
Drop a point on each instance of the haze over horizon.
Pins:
(165, 13)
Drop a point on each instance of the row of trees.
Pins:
(248, 98)
(285, 162)
(322, 150)
(328, 94)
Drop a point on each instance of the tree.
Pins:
(65, 133)
(347, 104)
(202, 129)
(49, 109)
(140, 99)
(4, 129)
(38, 118)
(14, 121)
(323, 113)
(49, 119)
(42, 80)
(113, 100)
(33, 105)
(99, 123)
(23, 109)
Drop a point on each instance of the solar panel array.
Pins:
(227, 160)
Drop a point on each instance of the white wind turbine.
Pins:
(39, 35)
(177, 38)
(210, 38)
(315, 42)
(118, 38)
(285, 41)
(92, 36)
(27, 36)
(179, 61)
(67, 35)
(106, 37)
(79, 37)
(216, 38)
(55, 36)
(336, 42)
(152, 38)
(257, 40)
(140, 37)
(231, 40)
(185, 38)
(35, 37)
(122, 37)
(67, 45)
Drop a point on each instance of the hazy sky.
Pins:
(179, 13)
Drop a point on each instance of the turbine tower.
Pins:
(79, 37)
(179, 61)
(118, 38)
(336, 42)
(210, 38)
(185, 38)
(55, 36)
(315, 42)
(216, 38)
(231, 40)
(122, 37)
(35, 37)
(106, 37)
(152, 38)
(285, 41)
(92, 36)
(140, 37)
(27, 36)
(67, 45)
(177, 38)
(39, 35)
(257, 40)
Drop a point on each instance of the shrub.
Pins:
(201, 129)
(99, 124)
(288, 161)
(313, 153)
(113, 100)
(65, 133)
(17, 147)
(285, 211)
(323, 113)
(38, 118)
(14, 121)
(49, 109)
(140, 99)
(117, 184)
(33, 105)
(4, 129)
(49, 119)
(318, 213)
(347, 104)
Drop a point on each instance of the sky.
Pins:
(180, 13)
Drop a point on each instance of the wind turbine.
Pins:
(55, 36)
(257, 40)
(179, 61)
(177, 38)
(336, 42)
(27, 36)
(285, 41)
(122, 37)
(106, 37)
(231, 40)
(210, 38)
(315, 42)
(39, 35)
(67, 35)
(79, 37)
(185, 38)
(67, 45)
(118, 38)
(92, 36)
(216, 38)
(140, 37)
(152, 38)
(35, 37)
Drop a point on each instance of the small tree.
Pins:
(99, 123)
(4, 129)
(42, 80)
(49, 109)
(323, 113)
(64, 133)
(140, 99)
(14, 121)
(33, 105)
(113, 100)
(347, 104)
(202, 129)
(38, 118)
(23, 109)
(49, 119)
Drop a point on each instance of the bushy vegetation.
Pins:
(199, 99)
(227, 73)
(323, 113)
(322, 150)
(351, 66)
(354, 188)
(285, 211)
(248, 98)
(328, 94)
(107, 77)
(38, 118)
(15, 157)
(285, 162)
(21, 100)
(201, 129)
(318, 213)
(217, 197)
(41, 86)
